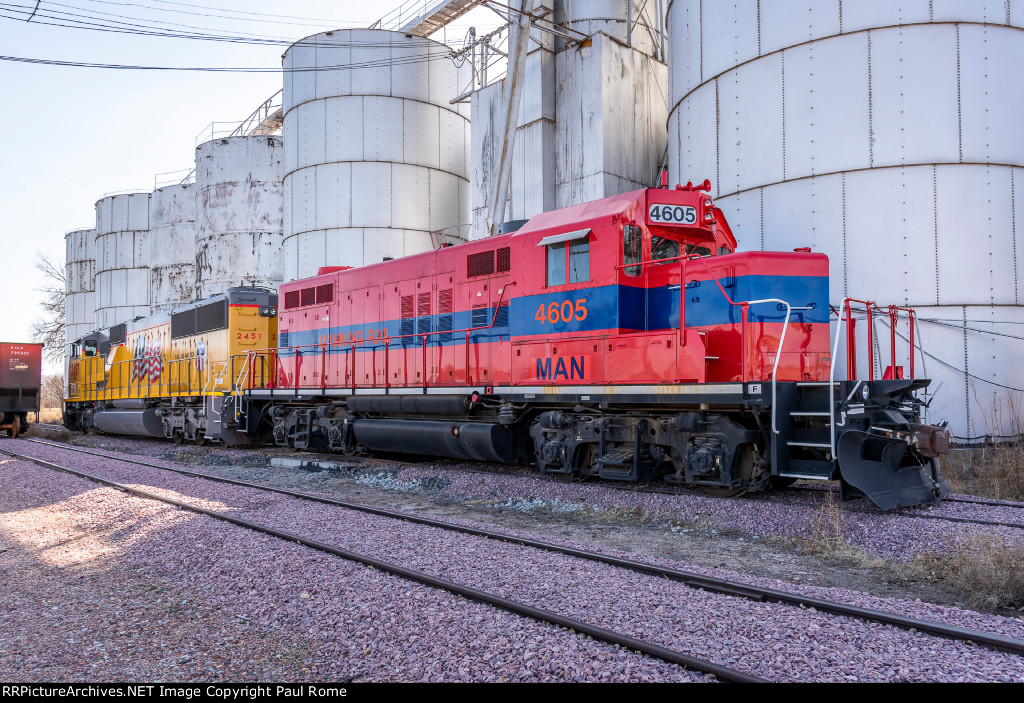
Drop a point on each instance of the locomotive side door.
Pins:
(478, 353)
(445, 348)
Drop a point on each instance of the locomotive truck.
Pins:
(623, 339)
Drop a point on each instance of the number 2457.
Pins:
(566, 311)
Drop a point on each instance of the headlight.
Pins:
(268, 311)
(865, 392)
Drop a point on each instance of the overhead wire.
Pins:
(227, 69)
(149, 27)
(240, 16)
(104, 24)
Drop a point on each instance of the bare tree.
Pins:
(49, 329)
(52, 391)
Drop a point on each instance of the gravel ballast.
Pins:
(774, 641)
(262, 609)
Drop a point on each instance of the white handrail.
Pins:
(832, 384)
(778, 352)
(238, 381)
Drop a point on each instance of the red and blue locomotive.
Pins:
(624, 338)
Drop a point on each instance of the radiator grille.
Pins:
(423, 313)
(407, 318)
(480, 264)
(325, 293)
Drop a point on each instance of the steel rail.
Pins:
(688, 578)
(902, 512)
(723, 673)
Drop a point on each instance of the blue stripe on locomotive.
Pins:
(606, 308)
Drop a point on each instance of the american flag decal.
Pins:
(148, 359)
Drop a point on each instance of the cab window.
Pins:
(632, 249)
(664, 248)
(579, 261)
(556, 264)
(568, 262)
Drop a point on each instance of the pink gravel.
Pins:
(269, 609)
(791, 644)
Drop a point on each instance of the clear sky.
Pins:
(75, 134)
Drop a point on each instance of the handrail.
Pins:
(893, 316)
(851, 337)
(845, 314)
(832, 383)
(386, 342)
(744, 306)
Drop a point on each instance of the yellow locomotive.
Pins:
(169, 375)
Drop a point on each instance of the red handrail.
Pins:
(851, 338)
(322, 346)
(893, 315)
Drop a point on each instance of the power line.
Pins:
(239, 16)
(227, 69)
(147, 27)
(68, 20)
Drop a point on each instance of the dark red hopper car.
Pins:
(21, 374)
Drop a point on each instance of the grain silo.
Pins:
(122, 258)
(591, 119)
(375, 155)
(172, 246)
(238, 216)
(80, 286)
(885, 135)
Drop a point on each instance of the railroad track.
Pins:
(948, 499)
(720, 672)
(684, 491)
(690, 579)
(911, 512)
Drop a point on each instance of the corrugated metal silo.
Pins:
(592, 117)
(239, 211)
(122, 258)
(172, 242)
(886, 135)
(631, 22)
(80, 286)
(375, 156)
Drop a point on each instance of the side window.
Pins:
(556, 264)
(579, 261)
(632, 248)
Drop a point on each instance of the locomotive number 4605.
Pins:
(565, 311)
(673, 214)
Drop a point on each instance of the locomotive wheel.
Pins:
(745, 470)
(202, 441)
(15, 426)
(178, 437)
